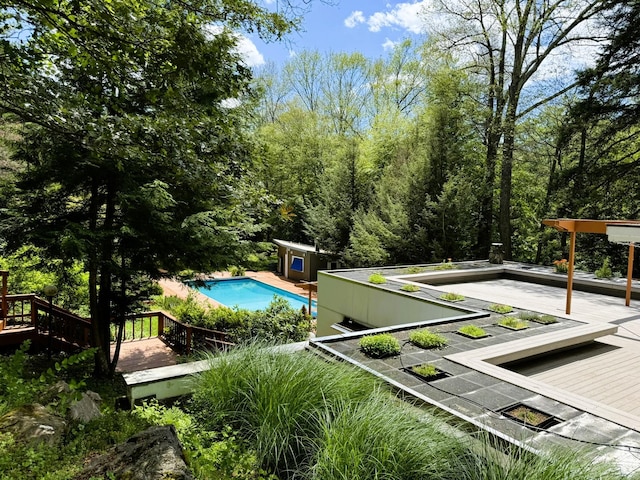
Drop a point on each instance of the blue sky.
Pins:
(371, 27)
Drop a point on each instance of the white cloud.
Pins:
(249, 52)
(244, 47)
(389, 44)
(407, 16)
(354, 19)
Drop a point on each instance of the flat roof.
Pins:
(590, 390)
(302, 247)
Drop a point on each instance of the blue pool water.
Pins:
(249, 293)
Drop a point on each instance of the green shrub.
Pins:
(237, 271)
(536, 317)
(425, 370)
(445, 265)
(452, 297)
(278, 401)
(500, 308)
(514, 323)
(410, 288)
(426, 339)
(605, 270)
(377, 278)
(380, 345)
(472, 331)
(414, 270)
(382, 439)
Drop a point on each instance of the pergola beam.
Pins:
(581, 225)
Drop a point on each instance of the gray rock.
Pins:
(34, 424)
(85, 409)
(153, 454)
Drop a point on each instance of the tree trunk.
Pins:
(506, 179)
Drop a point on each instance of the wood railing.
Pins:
(185, 338)
(52, 323)
(47, 320)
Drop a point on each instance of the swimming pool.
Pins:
(249, 293)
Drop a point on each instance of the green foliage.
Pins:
(277, 401)
(472, 331)
(410, 288)
(415, 270)
(605, 270)
(452, 297)
(377, 278)
(500, 308)
(29, 272)
(425, 370)
(514, 323)
(210, 454)
(561, 266)
(380, 345)
(538, 318)
(426, 339)
(279, 322)
(445, 265)
(237, 271)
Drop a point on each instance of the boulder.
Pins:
(153, 454)
(85, 409)
(33, 424)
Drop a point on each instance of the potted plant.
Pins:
(561, 266)
(427, 339)
(513, 323)
(530, 417)
(538, 318)
(427, 372)
(500, 308)
(452, 297)
(377, 279)
(472, 331)
(380, 345)
(410, 288)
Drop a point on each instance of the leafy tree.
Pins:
(134, 155)
(508, 44)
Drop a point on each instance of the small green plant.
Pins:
(561, 266)
(237, 271)
(425, 370)
(605, 270)
(414, 270)
(500, 308)
(377, 278)
(410, 288)
(445, 265)
(452, 297)
(380, 345)
(535, 317)
(426, 339)
(472, 331)
(514, 323)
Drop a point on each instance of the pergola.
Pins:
(619, 231)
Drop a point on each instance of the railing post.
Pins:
(160, 324)
(5, 291)
(34, 313)
(188, 349)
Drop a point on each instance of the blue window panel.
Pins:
(297, 264)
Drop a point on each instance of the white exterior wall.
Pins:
(374, 307)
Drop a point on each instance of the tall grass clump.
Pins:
(487, 462)
(277, 401)
(383, 439)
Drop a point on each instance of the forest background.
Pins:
(137, 143)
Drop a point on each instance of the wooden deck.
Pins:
(606, 371)
(136, 355)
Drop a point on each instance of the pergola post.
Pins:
(572, 257)
(629, 274)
